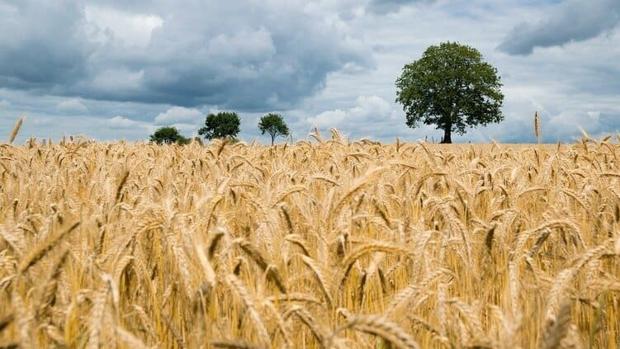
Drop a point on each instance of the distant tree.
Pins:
(274, 125)
(168, 135)
(450, 87)
(221, 125)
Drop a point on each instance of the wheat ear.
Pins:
(379, 326)
(248, 301)
(307, 318)
(6, 321)
(15, 130)
(41, 250)
(537, 127)
(232, 345)
(322, 280)
(95, 323)
(556, 329)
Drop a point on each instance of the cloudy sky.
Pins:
(117, 69)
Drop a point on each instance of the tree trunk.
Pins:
(447, 135)
(273, 138)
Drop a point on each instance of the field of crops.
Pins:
(322, 244)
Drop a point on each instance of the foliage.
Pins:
(274, 125)
(221, 125)
(168, 135)
(450, 87)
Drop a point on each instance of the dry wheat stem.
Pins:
(235, 245)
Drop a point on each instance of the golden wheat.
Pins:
(319, 244)
(15, 130)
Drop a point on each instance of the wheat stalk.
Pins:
(379, 326)
(319, 333)
(232, 345)
(556, 329)
(249, 303)
(460, 246)
(537, 127)
(15, 130)
(42, 249)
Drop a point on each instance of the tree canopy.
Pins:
(450, 87)
(168, 135)
(274, 125)
(221, 125)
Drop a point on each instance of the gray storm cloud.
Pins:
(574, 20)
(242, 54)
(117, 69)
(42, 44)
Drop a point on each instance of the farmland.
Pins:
(322, 244)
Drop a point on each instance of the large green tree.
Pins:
(221, 125)
(168, 135)
(450, 87)
(274, 125)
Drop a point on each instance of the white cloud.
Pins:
(594, 115)
(370, 117)
(72, 105)
(387, 6)
(117, 81)
(179, 115)
(309, 61)
(121, 122)
(368, 109)
(133, 30)
(328, 119)
(187, 130)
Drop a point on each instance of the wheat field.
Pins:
(322, 244)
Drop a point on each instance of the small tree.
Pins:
(274, 125)
(221, 125)
(168, 135)
(451, 87)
